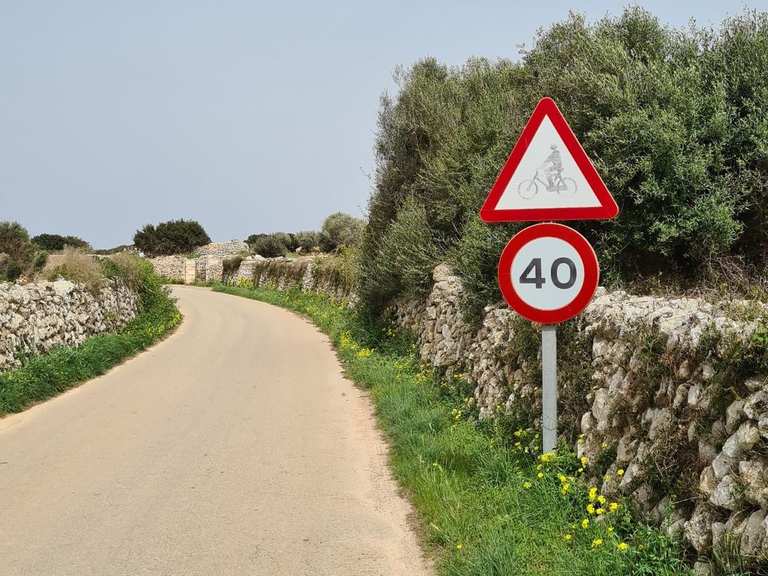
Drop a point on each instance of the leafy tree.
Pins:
(173, 237)
(55, 242)
(341, 229)
(18, 255)
(307, 240)
(268, 245)
(672, 119)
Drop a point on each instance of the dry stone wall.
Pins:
(667, 398)
(223, 249)
(306, 273)
(35, 318)
(206, 265)
(170, 267)
(664, 397)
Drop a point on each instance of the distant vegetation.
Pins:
(18, 255)
(54, 242)
(339, 231)
(674, 120)
(173, 237)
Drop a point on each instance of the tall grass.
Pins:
(487, 506)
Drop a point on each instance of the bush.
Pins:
(174, 237)
(75, 265)
(343, 267)
(55, 242)
(18, 256)
(404, 260)
(268, 245)
(307, 240)
(339, 230)
(231, 265)
(672, 120)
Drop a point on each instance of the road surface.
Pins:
(236, 446)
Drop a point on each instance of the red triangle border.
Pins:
(608, 208)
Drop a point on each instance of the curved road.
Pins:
(234, 447)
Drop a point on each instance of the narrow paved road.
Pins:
(234, 447)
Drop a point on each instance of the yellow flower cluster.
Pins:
(346, 342)
(596, 523)
(364, 352)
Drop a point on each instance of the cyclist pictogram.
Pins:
(553, 180)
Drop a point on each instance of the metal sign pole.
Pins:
(549, 388)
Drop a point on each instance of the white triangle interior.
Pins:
(532, 186)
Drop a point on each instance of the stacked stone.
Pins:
(35, 318)
(658, 407)
(223, 249)
(171, 267)
(247, 267)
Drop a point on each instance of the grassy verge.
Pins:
(488, 502)
(42, 377)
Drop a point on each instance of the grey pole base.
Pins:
(549, 386)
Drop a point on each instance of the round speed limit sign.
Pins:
(548, 273)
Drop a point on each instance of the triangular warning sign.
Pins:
(548, 176)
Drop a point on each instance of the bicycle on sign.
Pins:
(555, 181)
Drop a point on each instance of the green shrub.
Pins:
(173, 237)
(672, 120)
(307, 240)
(268, 245)
(339, 230)
(18, 256)
(343, 267)
(231, 265)
(404, 258)
(55, 242)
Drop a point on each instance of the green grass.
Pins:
(482, 507)
(44, 376)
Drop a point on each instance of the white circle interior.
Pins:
(548, 296)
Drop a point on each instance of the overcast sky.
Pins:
(248, 116)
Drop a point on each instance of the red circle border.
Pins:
(588, 258)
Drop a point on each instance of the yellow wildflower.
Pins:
(597, 542)
(610, 529)
(585, 523)
(459, 546)
(567, 537)
(600, 511)
(527, 485)
(590, 508)
(622, 546)
(613, 506)
(601, 499)
(592, 494)
(620, 472)
(565, 488)
(584, 460)
(540, 475)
